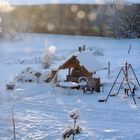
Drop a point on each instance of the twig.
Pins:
(13, 120)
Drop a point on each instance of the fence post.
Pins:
(108, 69)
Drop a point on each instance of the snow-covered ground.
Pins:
(41, 110)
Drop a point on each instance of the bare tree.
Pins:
(5, 20)
(114, 20)
(101, 18)
(23, 26)
(121, 18)
(8, 29)
(48, 57)
(129, 21)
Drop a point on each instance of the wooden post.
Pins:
(129, 49)
(126, 71)
(84, 47)
(102, 88)
(80, 49)
(108, 69)
(69, 71)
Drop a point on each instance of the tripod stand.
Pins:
(124, 70)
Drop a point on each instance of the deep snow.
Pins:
(41, 110)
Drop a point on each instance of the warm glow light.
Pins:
(5, 6)
(81, 14)
(92, 16)
(50, 26)
(74, 8)
(52, 49)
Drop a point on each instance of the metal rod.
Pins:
(134, 74)
(113, 85)
(130, 89)
(120, 86)
(131, 93)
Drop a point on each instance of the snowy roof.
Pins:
(86, 59)
(38, 2)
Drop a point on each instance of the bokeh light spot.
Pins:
(52, 49)
(50, 27)
(74, 8)
(81, 14)
(92, 16)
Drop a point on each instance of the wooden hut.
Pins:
(80, 64)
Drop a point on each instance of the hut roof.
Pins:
(86, 59)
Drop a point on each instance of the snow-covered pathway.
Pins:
(41, 110)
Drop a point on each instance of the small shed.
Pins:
(80, 64)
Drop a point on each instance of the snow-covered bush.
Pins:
(118, 17)
(48, 56)
(96, 51)
(26, 75)
(38, 75)
(69, 132)
(5, 19)
(30, 75)
(74, 129)
(45, 77)
(74, 114)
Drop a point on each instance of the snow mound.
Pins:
(31, 75)
(68, 84)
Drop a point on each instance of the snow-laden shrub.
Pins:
(96, 51)
(45, 77)
(38, 75)
(48, 56)
(71, 131)
(74, 114)
(30, 75)
(26, 75)
(68, 132)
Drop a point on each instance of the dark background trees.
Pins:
(98, 20)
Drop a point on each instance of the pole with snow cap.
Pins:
(109, 69)
(84, 47)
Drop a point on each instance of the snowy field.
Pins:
(41, 110)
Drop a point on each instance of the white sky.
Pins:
(30, 2)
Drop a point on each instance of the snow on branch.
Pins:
(74, 114)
